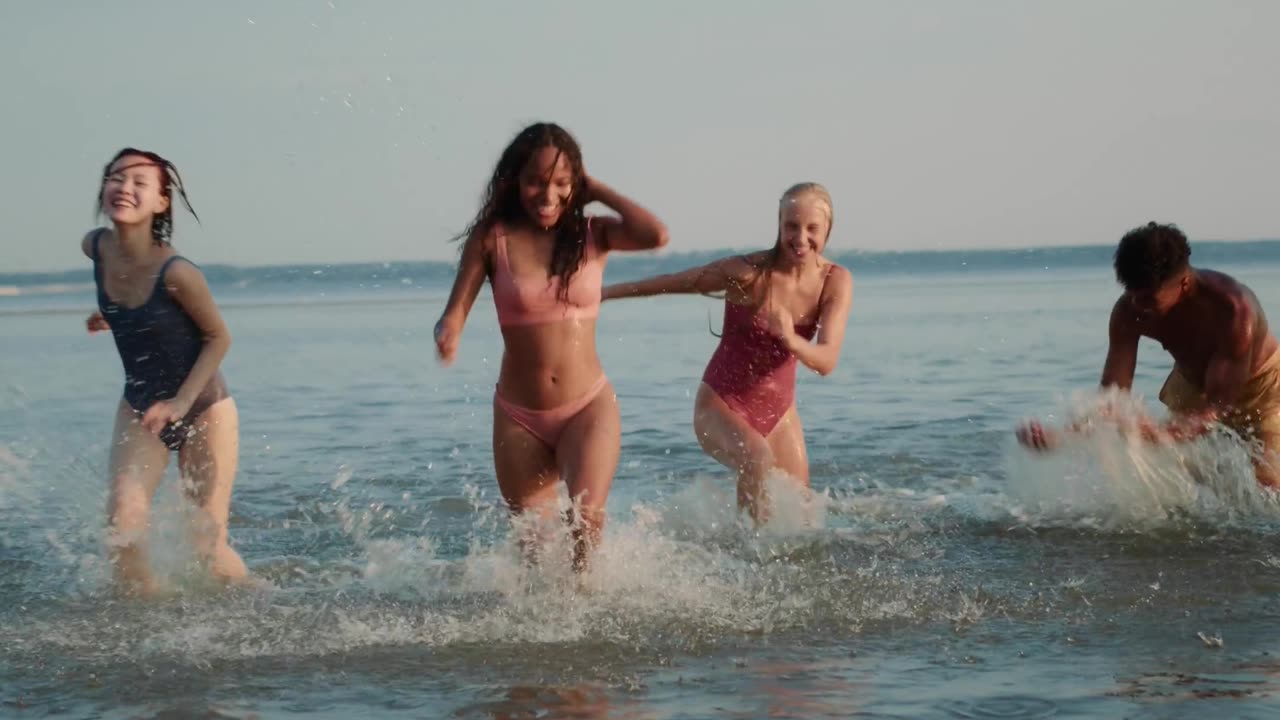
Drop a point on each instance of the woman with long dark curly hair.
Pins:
(555, 415)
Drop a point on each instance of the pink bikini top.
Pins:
(532, 301)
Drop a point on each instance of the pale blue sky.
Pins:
(317, 131)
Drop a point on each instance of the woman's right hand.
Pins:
(96, 323)
(447, 336)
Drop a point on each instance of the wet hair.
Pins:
(501, 199)
(793, 193)
(1151, 255)
(170, 180)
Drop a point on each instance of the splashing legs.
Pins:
(730, 441)
(588, 455)
(136, 466)
(585, 456)
(208, 461)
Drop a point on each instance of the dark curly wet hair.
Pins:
(1151, 255)
(162, 224)
(501, 200)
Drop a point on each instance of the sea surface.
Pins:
(940, 572)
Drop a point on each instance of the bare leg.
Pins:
(526, 470)
(137, 463)
(1267, 467)
(209, 460)
(788, 447)
(730, 441)
(588, 456)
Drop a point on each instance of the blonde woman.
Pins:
(781, 305)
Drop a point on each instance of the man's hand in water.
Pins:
(96, 323)
(1035, 436)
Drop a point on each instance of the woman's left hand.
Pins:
(163, 412)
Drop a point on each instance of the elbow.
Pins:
(219, 341)
(825, 369)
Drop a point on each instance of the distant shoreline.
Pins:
(1203, 251)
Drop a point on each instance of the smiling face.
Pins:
(546, 186)
(804, 225)
(134, 191)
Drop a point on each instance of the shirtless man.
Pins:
(1226, 367)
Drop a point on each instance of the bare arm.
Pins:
(95, 322)
(472, 271)
(637, 229)
(823, 354)
(187, 286)
(715, 276)
(1122, 348)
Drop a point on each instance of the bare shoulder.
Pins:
(482, 239)
(1241, 312)
(1124, 321)
(86, 242)
(744, 266)
(1238, 295)
(839, 277)
(183, 275)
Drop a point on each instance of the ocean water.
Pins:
(941, 573)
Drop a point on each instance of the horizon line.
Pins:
(679, 253)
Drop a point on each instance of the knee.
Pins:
(586, 517)
(127, 508)
(755, 458)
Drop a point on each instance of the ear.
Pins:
(165, 203)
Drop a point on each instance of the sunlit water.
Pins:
(939, 572)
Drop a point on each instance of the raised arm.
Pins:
(716, 276)
(636, 229)
(823, 354)
(472, 271)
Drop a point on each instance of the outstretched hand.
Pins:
(1035, 436)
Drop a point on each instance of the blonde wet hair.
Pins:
(812, 190)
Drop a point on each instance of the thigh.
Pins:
(1267, 465)
(525, 466)
(589, 448)
(136, 466)
(725, 435)
(210, 457)
(786, 442)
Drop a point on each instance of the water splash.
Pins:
(1108, 478)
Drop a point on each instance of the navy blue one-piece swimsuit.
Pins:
(158, 344)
